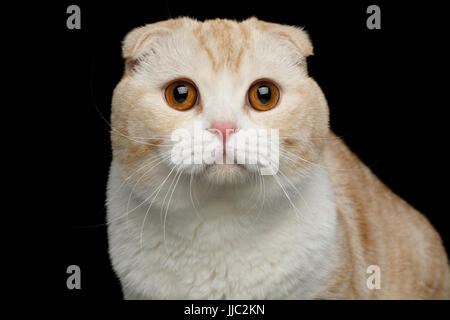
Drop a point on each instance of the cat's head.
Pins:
(209, 77)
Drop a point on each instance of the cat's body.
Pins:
(309, 232)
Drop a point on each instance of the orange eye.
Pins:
(263, 95)
(181, 95)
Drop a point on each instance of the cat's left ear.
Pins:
(295, 35)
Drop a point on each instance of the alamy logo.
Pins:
(374, 20)
(74, 280)
(249, 146)
(374, 280)
(74, 20)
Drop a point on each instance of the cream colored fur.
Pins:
(226, 232)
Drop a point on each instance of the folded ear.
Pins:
(134, 41)
(295, 35)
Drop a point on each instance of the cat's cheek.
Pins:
(315, 102)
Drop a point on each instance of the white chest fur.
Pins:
(222, 252)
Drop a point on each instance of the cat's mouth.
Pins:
(225, 173)
(225, 166)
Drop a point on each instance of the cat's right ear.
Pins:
(138, 39)
(134, 41)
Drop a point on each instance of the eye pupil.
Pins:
(264, 94)
(180, 93)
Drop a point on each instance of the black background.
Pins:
(383, 88)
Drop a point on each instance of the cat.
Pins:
(320, 227)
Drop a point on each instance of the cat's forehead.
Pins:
(224, 41)
(219, 44)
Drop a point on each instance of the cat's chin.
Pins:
(226, 174)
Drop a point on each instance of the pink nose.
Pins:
(225, 128)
